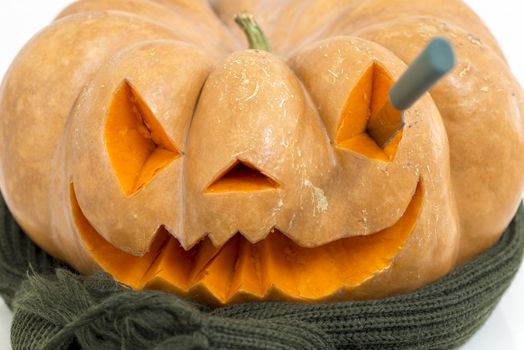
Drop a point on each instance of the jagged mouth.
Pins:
(275, 268)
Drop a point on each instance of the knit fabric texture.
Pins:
(56, 308)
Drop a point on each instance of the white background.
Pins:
(20, 19)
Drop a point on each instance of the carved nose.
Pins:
(242, 177)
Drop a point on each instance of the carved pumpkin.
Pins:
(142, 138)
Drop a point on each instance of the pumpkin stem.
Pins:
(255, 36)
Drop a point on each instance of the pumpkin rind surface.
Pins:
(142, 132)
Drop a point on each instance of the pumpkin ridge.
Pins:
(215, 46)
(446, 27)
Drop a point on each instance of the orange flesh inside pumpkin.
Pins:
(367, 98)
(242, 177)
(137, 145)
(274, 268)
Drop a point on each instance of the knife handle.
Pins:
(437, 59)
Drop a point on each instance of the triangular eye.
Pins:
(136, 143)
(242, 177)
(366, 99)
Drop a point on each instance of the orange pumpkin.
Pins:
(141, 138)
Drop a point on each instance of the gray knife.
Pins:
(435, 61)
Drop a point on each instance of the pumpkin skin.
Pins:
(321, 218)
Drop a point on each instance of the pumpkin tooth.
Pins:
(206, 253)
(109, 258)
(170, 271)
(212, 284)
(246, 284)
(277, 261)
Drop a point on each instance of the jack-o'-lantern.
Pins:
(140, 138)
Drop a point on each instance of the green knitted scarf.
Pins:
(55, 308)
